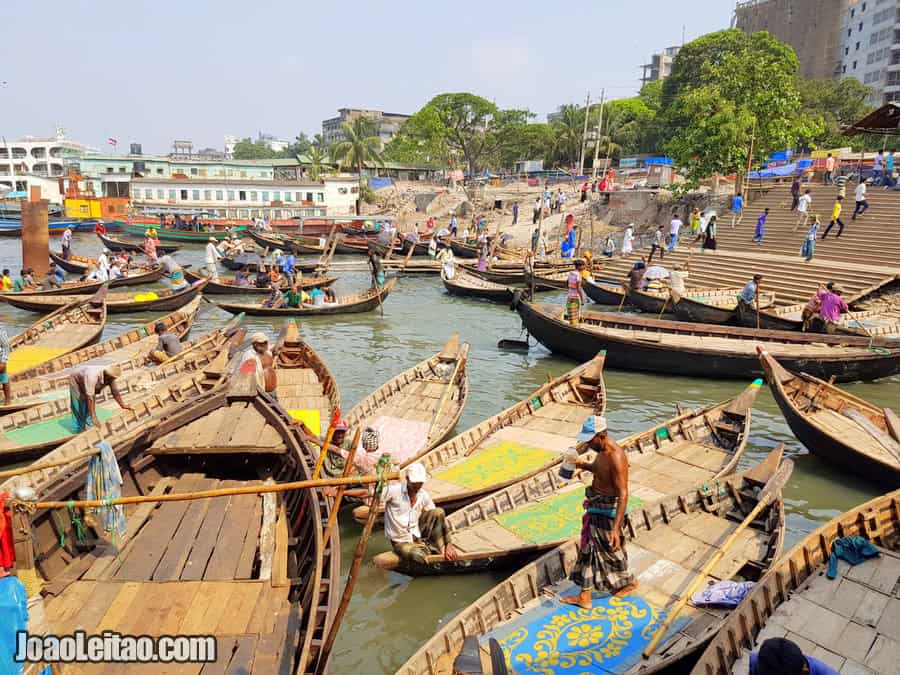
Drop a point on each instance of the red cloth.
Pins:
(570, 223)
(100, 228)
(7, 545)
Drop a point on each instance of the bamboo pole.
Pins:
(221, 492)
(47, 465)
(771, 491)
(348, 467)
(352, 576)
(460, 360)
(321, 459)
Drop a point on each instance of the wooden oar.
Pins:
(758, 290)
(321, 460)
(770, 493)
(460, 360)
(621, 304)
(348, 467)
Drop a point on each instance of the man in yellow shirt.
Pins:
(6, 281)
(835, 218)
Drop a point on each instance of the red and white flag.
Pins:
(112, 141)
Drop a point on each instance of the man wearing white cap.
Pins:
(263, 362)
(212, 256)
(412, 522)
(602, 561)
(85, 382)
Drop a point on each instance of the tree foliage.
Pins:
(834, 104)
(248, 149)
(361, 146)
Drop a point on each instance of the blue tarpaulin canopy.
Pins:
(782, 171)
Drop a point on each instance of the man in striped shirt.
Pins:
(4, 359)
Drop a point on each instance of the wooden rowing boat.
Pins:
(469, 285)
(122, 302)
(463, 249)
(346, 246)
(67, 288)
(667, 543)
(306, 387)
(297, 244)
(366, 301)
(65, 330)
(836, 426)
(497, 276)
(418, 409)
(545, 280)
(130, 350)
(522, 441)
(421, 246)
(29, 433)
(230, 264)
(849, 622)
(604, 292)
(116, 245)
(656, 302)
(509, 527)
(882, 320)
(251, 570)
(711, 305)
(706, 350)
(186, 236)
(138, 274)
(227, 286)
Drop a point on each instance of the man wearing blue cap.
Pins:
(602, 561)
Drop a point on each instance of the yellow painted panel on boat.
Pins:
(499, 463)
(29, 356)
(311, 418)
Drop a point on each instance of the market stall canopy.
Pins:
(885, 121)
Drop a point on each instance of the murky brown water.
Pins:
(391, 615)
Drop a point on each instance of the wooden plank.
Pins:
(893, 423)
(206, 539)
(262, 618)
(179, 598)
(75, 598)
(267, 536)
(225, 651)
(229, 425)
(279, 562)
(244, 597)
(178, 549)
(92, 611)
(250, 429)
(120, 606)
(227, 552)
(242, 661)
(192, 622)
(251, 542)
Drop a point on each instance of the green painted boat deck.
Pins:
(496, 464)
(47, 431)
(552, 519)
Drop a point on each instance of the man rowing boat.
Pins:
(602, 561)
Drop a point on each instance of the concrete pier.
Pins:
(35, 234)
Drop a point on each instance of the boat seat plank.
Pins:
(487, 536)
(242, 660)
(208, 535)
(250, 428)
(531, 437)
(851, 433)
(179, 547)
(236, 527)
(165, 615)
(235, 413)
(66, 608)
(695, 454)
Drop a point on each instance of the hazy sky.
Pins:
(151, 71)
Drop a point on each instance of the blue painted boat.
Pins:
(12, 227)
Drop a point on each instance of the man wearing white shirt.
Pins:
(67, 243)
(414, 525)
(803, 209)
(674, 227)
(103, 262)
(212, 257)
(862, 204)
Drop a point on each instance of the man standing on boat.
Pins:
(4, 359)
(67, 243)
(85, 382)
(414, 525)
(576, 298)
(602, 562)
(212, 257)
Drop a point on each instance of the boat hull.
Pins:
(117, 245)
(603, 294)
(187, 236)
(687, 309)
(492, 294)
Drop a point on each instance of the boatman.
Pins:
(212, 257)
(575, 298)
(778, 656)
(67, 243)
(414, 525)
(85, 383)
(602, 560)
(749, 291)
(167, 344)
(4, 359)
(264, 362)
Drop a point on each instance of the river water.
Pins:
(391, 615)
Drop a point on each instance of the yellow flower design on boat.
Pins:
(584, 635)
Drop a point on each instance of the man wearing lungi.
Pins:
(602, 561)
(85, 383)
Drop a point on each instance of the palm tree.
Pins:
(569, 131)
(361, 146)
(316, 158)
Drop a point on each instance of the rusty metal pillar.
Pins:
(35, 234)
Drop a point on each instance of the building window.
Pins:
(852, 13)
(207, 195)
(860, 27)
(298, 196)
(159, 194)
(121, 169)
(184, 196)
(288, 197)
(231, 195)
(846, 51)
(252, 195)
(243, 174)
(218, 195)
(109, 169)
(276, 197)
(172, 195)
(864, 7)
(195, 195)
(265, 196)
(309, 196)
(320, 197)
(193, 171)
(849, 32)
(854, 65)
(843, 69)
(857, 46)
(242, 196)
(159, 172)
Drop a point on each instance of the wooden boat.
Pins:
(836, 426)
(366, 301)
(306, 387)
(251, 570)
(656, 302)
(299, 245)
(65, 330)
(464, 249)
(123, 302)
(544, 280)
(421, 246)
(883, 320)
(50, 381)
(29, 433)
(227, 287)
(497, 276)
(187, 236)
(706, 306)
(705, 350)
(515, 444)
(419, 408)
(604, 292)
(347, 246)
(230, 264)
(138, 274)
(114, 244)
(849, 622)
(68, 288)
(469, 285)
(667, 543)
(509, 527)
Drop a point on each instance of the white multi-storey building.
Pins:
(41, 157)
(871, 47)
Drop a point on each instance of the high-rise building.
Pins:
(660, 66)
(870, 51)
(814, 28)
(386, 124)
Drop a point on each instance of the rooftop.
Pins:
(229, 181)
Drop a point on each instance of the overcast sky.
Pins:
(151, 71)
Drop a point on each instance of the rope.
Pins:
(76, 523)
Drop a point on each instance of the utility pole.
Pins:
(599, 128)
(745, 186)
(587, 113)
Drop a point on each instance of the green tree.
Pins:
(834, 103)
(361, 146)
(300, 146)
(247, 149)
(726, 88)
(316, 158)
(569, 131)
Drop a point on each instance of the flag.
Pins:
(112, 141)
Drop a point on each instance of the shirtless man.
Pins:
(602, 561)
